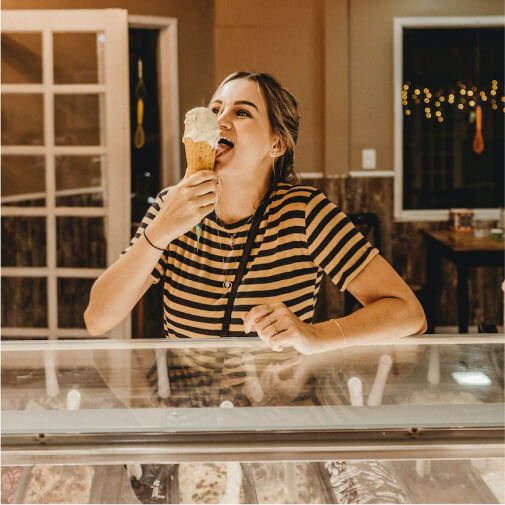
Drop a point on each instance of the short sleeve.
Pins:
(159, 269)
(334, 243)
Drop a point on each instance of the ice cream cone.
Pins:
(199, 155)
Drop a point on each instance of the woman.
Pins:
(295, 234)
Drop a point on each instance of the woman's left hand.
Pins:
(278, 327)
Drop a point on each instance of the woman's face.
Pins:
(246, 141)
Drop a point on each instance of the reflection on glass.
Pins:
(76, 58)
(79, 181)
(22, 119)
(23, 181)
(23, 241)
(73, 297)
(24, 302)
(21, 58)
(80, 242)
(76, 120)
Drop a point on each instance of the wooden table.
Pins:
(465, 250)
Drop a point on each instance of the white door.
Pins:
(65, 165)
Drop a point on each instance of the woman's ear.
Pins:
(278, 147)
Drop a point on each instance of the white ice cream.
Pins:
(200, 125)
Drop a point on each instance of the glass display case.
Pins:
(418, 420)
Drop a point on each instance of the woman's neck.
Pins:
(236, 200)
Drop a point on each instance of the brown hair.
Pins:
(284, 119)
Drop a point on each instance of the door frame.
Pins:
(168, 93)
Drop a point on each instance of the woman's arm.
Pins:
(118, 289)
(390, 309)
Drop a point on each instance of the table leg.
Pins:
(433, 269)
(463, 298)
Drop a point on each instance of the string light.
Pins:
(467, 95)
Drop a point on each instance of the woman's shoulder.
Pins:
(301, 192)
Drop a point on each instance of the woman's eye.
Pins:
(243, 112)
(215, 110)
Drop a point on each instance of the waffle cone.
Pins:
(199, 155)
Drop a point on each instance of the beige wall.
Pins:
(195, 30)
(336, 56)
(371, 75)
(284, 38)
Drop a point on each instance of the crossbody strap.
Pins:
(243, 263)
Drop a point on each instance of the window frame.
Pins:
(399, 23)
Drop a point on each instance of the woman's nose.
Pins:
(223, 119)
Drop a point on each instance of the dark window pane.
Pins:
(81, 242)
(75, 57)
(73, 298)
(22, 119)
(23, 241)
(21, 58)
(23, 181)
(76, 120)
(24, 302)
(80, 181)
(448, 72)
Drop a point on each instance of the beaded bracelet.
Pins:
(340, 330)
(151, 244)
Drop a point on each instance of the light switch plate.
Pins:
(368, 159)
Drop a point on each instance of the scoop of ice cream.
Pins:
(200, 125)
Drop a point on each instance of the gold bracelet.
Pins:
(340, 330)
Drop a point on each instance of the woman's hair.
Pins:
(284, 119)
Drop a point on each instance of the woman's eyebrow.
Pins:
(238, 102)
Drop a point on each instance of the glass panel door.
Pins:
(65, 159)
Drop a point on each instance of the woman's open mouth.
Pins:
(223, 147)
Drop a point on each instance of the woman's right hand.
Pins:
(184, 207)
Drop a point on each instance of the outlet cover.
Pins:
(368, 159)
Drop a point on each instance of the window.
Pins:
(449, 116)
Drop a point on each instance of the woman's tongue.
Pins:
(222, 148)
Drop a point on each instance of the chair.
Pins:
(368, 224)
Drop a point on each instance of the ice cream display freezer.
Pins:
(420, 420)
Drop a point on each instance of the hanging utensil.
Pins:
(140, 91)
(478, 141)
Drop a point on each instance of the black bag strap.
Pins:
(243, 263)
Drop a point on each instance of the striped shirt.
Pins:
(302, 235)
